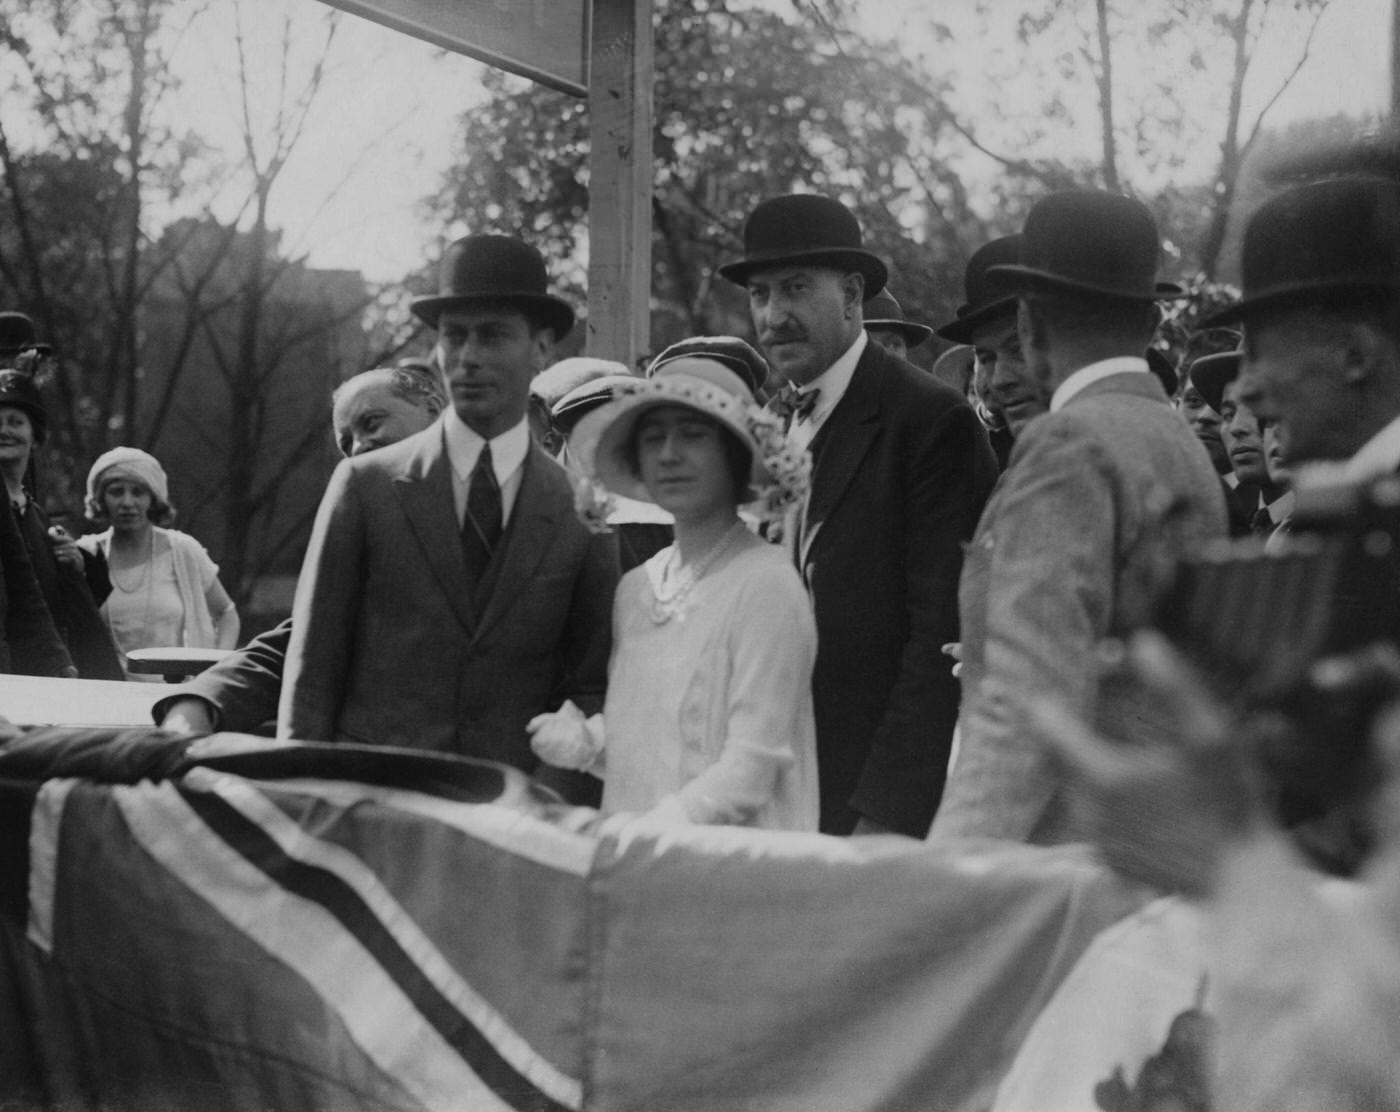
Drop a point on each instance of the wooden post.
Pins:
(620, 77)
(1395, 64)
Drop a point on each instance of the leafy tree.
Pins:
(748, 103)
(195, 336)
(751, 101)
(1155, 120)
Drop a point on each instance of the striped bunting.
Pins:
(519, 834)
(319, 909)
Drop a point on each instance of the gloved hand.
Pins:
(669, 811)
(563, 738)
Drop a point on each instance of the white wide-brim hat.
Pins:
(779, 473)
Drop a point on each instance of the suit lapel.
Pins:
(534, 519)
(842, 442)
(424, 488)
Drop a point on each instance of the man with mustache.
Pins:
(901, 471)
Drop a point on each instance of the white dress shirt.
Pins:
(832, 383)
(1087, 376)
(508, 453)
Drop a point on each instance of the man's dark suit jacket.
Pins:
(902, 470)
(244, 687)
(386, 645)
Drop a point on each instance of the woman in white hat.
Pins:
(165, 589)
(708, 717)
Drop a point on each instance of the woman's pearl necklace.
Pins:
(672, 589)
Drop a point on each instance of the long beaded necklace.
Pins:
(671, 590)
(142, 579)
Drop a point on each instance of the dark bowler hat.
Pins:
(1210, 374)
(883, 311)
(987, 297)
(17, 335)
(492, 269)
(1317, 242)
(17, 389)
(805, 228)
(1091, 242)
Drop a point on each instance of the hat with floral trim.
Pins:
(780, 471)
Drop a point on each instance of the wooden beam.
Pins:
(621, 72)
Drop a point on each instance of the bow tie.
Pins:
(792, 404)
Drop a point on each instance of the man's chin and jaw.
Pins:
(1299, 384)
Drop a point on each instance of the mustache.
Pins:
(783, 335)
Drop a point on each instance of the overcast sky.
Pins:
(382, 134)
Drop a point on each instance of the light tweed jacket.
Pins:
(1098, 499)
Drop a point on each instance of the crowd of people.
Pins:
(805, 585)
(74, 606)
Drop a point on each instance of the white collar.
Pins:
(833, 381)
(1281, 508)
(1087, 376)
(1378, 456)
(508, 450)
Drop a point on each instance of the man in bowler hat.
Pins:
(449, 593)
(1256, 496)
(884, 320)
(1321, 270)
(987, 322)
(1097, 490)
(1321, 321)
(901, 471)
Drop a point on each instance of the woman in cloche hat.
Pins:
(708, 716)
(166, 589)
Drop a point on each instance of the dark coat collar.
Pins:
(845, 437)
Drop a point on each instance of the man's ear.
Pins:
(1363, 352)
(852, 294)
(541, 348)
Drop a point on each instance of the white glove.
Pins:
(563, 738)
(668, 811)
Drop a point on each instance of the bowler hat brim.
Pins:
(961, 330)
(1020, 277)
(913, 332)
(555, 313)
(42, 349)
(1293, 293)
(869, 267)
